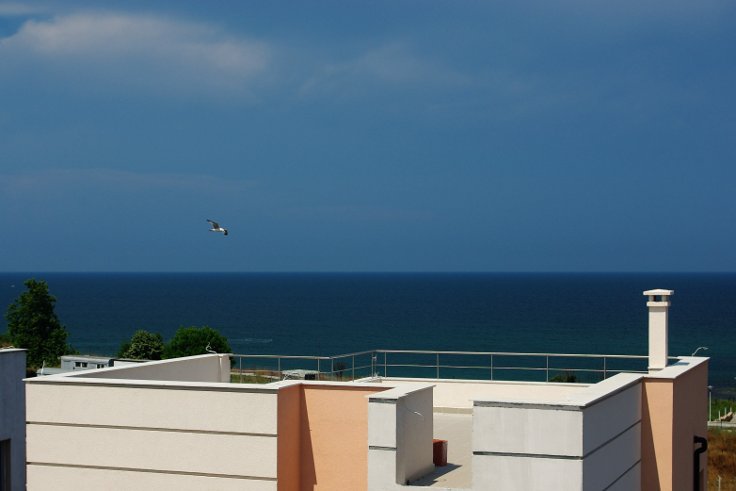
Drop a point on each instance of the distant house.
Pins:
(85, 362)
(70, 363)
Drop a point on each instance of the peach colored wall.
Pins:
(334, 437)
(288, 448)
(690, 419)
(674, 411)
(656, 435)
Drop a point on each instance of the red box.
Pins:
(439, 452)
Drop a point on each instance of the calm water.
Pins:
(327, 314)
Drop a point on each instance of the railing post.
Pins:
(240, 364)
(278, 366)
(332, 368)
(604, 368)
(385, 365)
(438, 366)
(319, 374)
(491, 367)
(353, 368)
(547, 357)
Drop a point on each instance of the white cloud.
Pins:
(140, 50)
(393, 65)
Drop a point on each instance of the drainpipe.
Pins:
(696, 460)
(658, 303)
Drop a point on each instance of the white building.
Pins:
(181, 424)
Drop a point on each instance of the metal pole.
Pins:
(279, 367)
(491, 367)
(319, 374)
(438, 366)
(710, 403)
(353, 367)
(605, 373)
(240, 364)
(385, 364)
(547, 357)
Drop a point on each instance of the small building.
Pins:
(85, 362)
(70, 363)
(12, 419)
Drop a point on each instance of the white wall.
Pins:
(200, 368)
(400, 429)
(460, 394)
(89, 433)
(588, 441)
(12, 412)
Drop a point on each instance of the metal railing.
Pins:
(470, 365)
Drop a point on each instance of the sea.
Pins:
(334, 313)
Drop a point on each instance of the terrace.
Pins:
(425, 364)
(366, 421)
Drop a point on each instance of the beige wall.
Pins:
(592, 442)
(79, 479)
(200, 368)
(674, 411)
(333, 437)
(81, 432)
(400, 427)
(460, 394)
(657, 424)
(85, 430)
(690, 419)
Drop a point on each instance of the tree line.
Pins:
(34, 326)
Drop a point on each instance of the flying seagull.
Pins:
(216, 227)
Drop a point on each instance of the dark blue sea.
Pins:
(329, 314)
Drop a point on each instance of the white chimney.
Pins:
(658, 303)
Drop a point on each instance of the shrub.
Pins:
(143, 345)
(189, 341)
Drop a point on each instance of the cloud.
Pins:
(140, 50)
(390, 65)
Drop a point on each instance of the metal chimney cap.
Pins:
(659, 292)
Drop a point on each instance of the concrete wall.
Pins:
(12, 412)
(200, 368)
(587, 441)
(83, 432)
(289, 437)
(93, 427)
(674, 411)
(333, 436)
(400, 426)
(460, 394)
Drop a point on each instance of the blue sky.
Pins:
(368, 136)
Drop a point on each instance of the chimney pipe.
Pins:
(658, 303)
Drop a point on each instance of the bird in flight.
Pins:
(216, 227)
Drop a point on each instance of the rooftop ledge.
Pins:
(211, 372)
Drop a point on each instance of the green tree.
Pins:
(143, 345)
(5, 340)
(33, 325)
(189, 341)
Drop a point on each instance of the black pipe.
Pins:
(696, 460)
